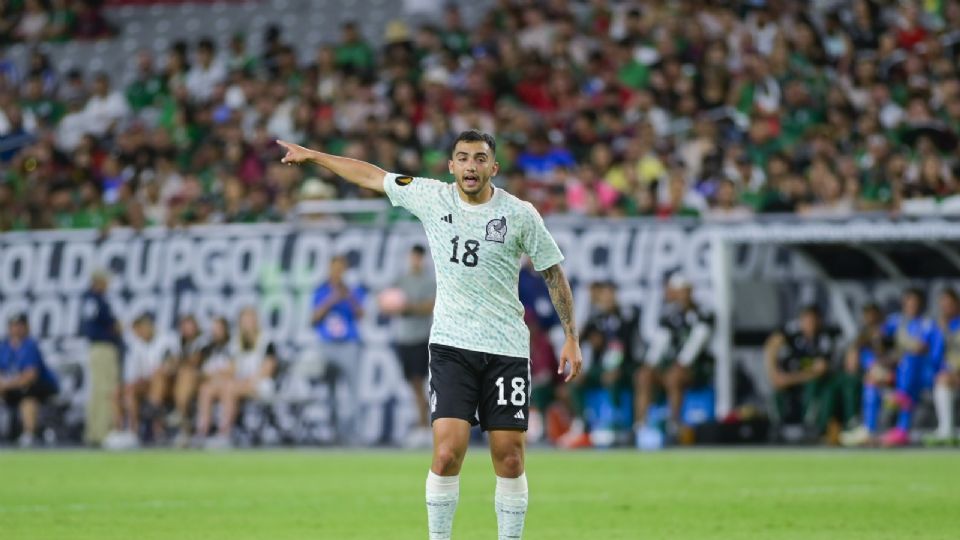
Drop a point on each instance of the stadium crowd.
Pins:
(716, 109)
(33, 21)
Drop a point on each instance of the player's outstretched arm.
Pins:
(353, 170)
(562, 298)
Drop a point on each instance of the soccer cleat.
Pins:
(895, 437)
(935, 440)
(858, 436)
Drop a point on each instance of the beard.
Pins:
(473, 187)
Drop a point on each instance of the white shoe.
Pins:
(857, 436)
(113, 440)
(121, 440)
(182, 440)
(27, 440)
(130, 441)
(219, 442)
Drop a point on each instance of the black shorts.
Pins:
(491, 390)
(415, 360)
(40, 391)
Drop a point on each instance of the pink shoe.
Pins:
(895, 437)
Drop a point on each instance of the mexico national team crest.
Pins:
(497, 230)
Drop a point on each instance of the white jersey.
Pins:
(247, 361)
(143, 358)
(476, 252)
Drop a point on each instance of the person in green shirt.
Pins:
(92, 213)
(148, 86)
(62, 21)
(353, 52)
(631, 73)
(258, 209)
(454, 36)
(46, 110)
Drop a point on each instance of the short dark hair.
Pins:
(18, 318)
(811, 309)
(475, 135)
(951, 293)
(418, 249)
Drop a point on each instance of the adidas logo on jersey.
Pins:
(519, 415)
(448, 218)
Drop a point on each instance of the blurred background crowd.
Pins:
(711, 109)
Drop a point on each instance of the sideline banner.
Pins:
(216, 270)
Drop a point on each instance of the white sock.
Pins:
(443, 492)
(511, 504)
(943, 403)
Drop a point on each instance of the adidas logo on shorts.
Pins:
(519, 415)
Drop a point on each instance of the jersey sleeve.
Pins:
(538, 243)
(414, 194)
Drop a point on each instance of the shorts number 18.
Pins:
(517, 396)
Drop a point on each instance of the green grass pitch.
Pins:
(338, 495)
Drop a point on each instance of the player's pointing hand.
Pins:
(295, 153)
(570, 355)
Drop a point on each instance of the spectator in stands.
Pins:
(142, 392)
(337, 309)
(62, 21)
(867, 364)
(105, 108)
(914, 338)
(768, 99)
(412, 334)
(90, 23)
(353, 53)
(250, 375)
(184, 370)
(798, 362)
(678, 357)
(610, 341)
(206, 73)
(946, 366)
(33, 22)
(102, 332)
(726, 204)
(147, 86)
(26, 382)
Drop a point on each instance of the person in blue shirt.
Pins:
(914, 338)
(541, 160)
(102, 331)
(337, 310)
(943, 369)
(25, 380)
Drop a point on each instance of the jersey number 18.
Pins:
(470, 257)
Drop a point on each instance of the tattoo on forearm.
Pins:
(562, 298)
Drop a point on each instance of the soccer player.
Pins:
(479, 345)
(867, 360)
(945, 363)
(798, 360)
(678, 357)
(914, 337)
